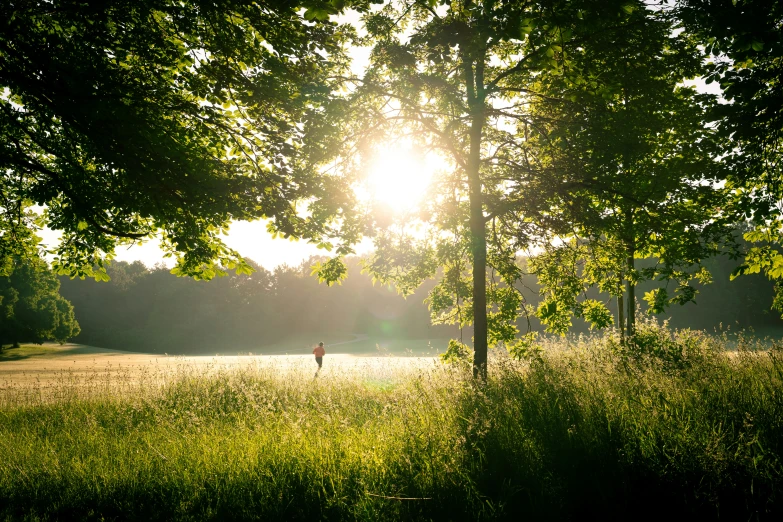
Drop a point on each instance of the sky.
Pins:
(250, 239)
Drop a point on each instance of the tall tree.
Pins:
(640, 172)
(744, 39)
(457, 78)
(31, 307)
(130, 119)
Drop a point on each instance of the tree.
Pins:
(31, 307)
(130, 119)
(640, 174)
(457, 78)
(745, 42)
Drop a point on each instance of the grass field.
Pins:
(39, 369)
(34, 373)
(676, 427)
(354, 344)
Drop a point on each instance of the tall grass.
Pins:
(674, 426)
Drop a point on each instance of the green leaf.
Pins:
(740, 270)
(526, 26)
(657, 300)
(457, 354)
(317, 13)
(597, 314)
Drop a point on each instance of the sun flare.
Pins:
(398, 177)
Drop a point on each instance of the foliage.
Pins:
(744, 44)
(580, 432)
(457, 80)
(457, 353)
(330, 271)
(564, 273)
(525, 347)
(132, 119)
(31, 308)
(655, 343)
(638, 168)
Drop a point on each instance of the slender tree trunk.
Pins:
(15, 345)
(474, 81)
(621, 315)
(479, 246)
(628, 219)
(631, 290)
(630, 251)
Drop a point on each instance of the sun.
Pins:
(398, 177)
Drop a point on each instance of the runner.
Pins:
(319, 354)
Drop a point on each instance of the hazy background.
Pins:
(287, 311)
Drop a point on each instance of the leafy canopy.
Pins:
(638, 172)
(131, 119)
(745, 44)
(459, 79)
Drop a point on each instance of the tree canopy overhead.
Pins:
(465, 79)
(744, 39)
(127, 119)
(639, 170)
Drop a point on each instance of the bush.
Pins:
(655, 343)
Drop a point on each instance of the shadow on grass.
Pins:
(22, 352)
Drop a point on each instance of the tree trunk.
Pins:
(474, 81)
(631, 291)
(15, 345)
(479, 247)
(621, 316)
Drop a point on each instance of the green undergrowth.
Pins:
(672, 426)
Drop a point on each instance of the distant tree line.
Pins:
(149, 309)
(744, 303)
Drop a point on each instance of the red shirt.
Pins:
(319, 351)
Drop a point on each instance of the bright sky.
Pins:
(251, 240)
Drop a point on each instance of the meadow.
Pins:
(674, 426)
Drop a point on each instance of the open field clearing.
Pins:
(585, 429)
(49, 372)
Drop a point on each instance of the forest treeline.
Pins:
(149, 309)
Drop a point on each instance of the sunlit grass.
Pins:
(676, 426)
